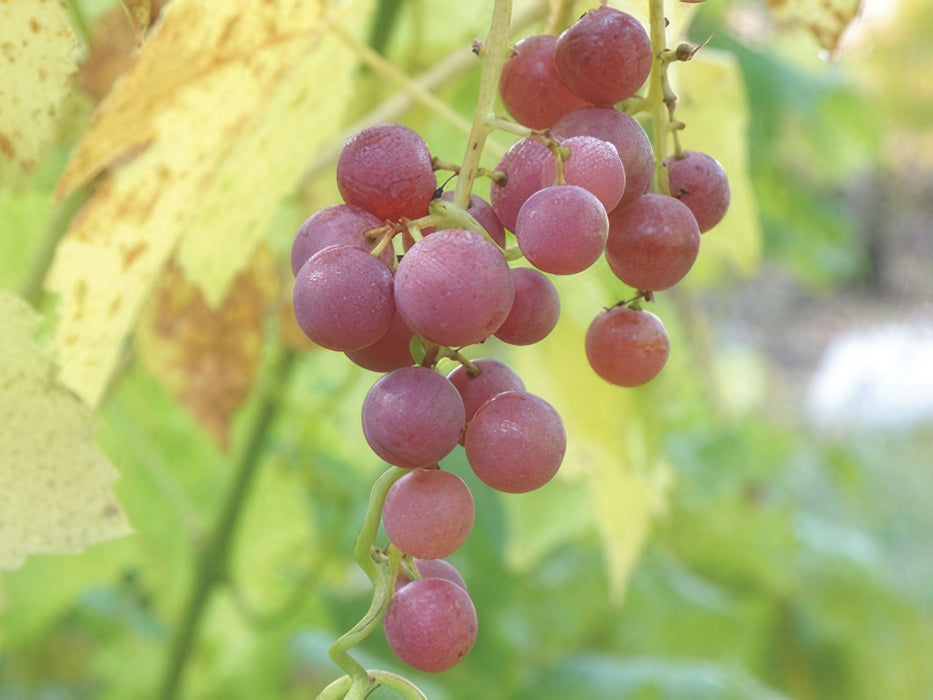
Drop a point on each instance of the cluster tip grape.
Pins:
(397, 282)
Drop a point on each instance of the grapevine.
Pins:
(402, 274)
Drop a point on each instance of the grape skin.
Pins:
(428, 513)
(699, 181)
(412, 417)
(623, 132)
(432, 568)
(494, 378)
(341, 224)
(562, 229)
(653, 242)
(454, 288)
(485, 216)
(515, 442)
(431, 624)
(522, 166)
(386, 170)
(594, 165)
(343, 298)
(534, 312)
(530, 87)
(390, 352)
(627, 347)
(605, 56)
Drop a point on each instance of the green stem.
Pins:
(494, 53)
(214, 560)
(656, 92)
(381, 575)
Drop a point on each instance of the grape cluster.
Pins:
(398, 277)
(589, 197)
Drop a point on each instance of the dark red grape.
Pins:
(338, 225)
(391, 351)
(530, 87)
(627, 347)
(386, 170)
(605, 56)
(699, 181)
(494, 378)
(433, 568)
(594, 165)
(653, 242)
(534, 312)
(522, 164)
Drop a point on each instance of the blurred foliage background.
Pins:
(755, 523)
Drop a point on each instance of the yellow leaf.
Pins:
(55, 485)
(827, 19)
(208, 358)
(208, 131)
(38, 54)
(606, 426)
(713, 105)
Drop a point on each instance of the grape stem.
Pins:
(494, 52)
(660, 96)
(381, 571)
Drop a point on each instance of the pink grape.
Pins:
(391, 351)
(515, 442)
(534, 312)
(530, 87)
(653, 242)
(605, 56)
(522, 165)
(386, 170)
(428, 513)
(562, 229)
(338, 225)
(432, 568)
(623, 132)
(494, 378)
(627, 347)
(343, 298)
(430, 624)
(699, 181)
(454, 288)
(412, 417)
(594, 165)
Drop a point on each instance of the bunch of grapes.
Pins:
(398, 276)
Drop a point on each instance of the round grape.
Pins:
(605, 56)
(453, 288)
(515, 442)
(484, 214)
(430, 624)
(428, 513)
(623, 132)
(562, 229)
(627, 347)
(386, 170)
(653, 242)
(413, 417)
(343, 298)
(534, 312)
(594, 165)
(530, 87)
(699, 181)
(338, 225)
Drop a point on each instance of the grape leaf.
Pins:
(713, 105)
(827, 19)
(38, 56)
(211, 127)
(55, 486)
(208, 358)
